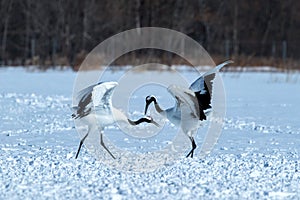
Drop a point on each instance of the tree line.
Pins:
(61, 32)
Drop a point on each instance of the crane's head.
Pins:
(149, 99)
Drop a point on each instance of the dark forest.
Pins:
(51, 33)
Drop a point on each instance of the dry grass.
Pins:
(162, 58)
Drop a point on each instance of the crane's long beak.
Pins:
(155, 123)
(146, 107)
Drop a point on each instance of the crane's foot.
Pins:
(80, 144)
(103, 145)
(194, 146)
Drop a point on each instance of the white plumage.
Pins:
(193, 104)
(95, 109)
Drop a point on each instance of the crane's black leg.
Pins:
(194, 146)
(80, 144)
(102, 143)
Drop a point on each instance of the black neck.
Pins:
(141, 120)
(157, 107)
(154, 100)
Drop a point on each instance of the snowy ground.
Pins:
(257, 155)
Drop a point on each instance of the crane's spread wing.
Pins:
(185, 100)
(84, 102)
(199, 84)
(202, 87)
(101, 94)
(94, 97)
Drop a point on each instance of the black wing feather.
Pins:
(204, 96)
(83, 108)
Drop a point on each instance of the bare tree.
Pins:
(5, 5)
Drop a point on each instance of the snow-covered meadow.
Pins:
(257, 155)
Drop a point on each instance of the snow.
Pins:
(257, 155)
